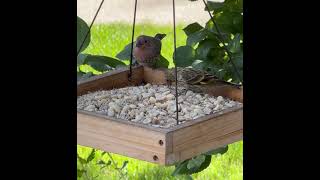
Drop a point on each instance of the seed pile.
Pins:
(152, 104)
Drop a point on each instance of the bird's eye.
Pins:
(145, 41)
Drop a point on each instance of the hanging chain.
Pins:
(223, 42)
(132, 39)
(174, 60)
(94, 18)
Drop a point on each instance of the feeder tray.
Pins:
(152, 144)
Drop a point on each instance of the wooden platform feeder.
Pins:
(156, 145)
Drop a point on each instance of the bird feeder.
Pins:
(156, 145)
(164, 146)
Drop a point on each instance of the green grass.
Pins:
(109, 40)
(224, 167)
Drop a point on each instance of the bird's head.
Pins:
(144, 42)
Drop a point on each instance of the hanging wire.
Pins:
(94, 18)
(132, 39)
(223, 41)
(174, 60)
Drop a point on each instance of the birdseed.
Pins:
(153, 105)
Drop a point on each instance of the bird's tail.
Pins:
(160, 36)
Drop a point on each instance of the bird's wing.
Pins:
(191, 76)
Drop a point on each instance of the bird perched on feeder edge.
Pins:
(193, 79)
(147, 50)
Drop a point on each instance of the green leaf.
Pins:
(204, 48)
(125, 54)
(87, 75)
(181, 168)
(185, 55)
(214, 33)
(82, 29)
(124, 164)
(204, 165)
(198, 64)
(238, 59)
(233, 72)
(196, 37)
(203, 65)
(81, 160)
(101, 162)
(80, 172)
(81, 58)
(234, 44)
(192, 28)
(79, 75)
(102, 63)
(229, 22)
(103, 153)
(216, 57)
(221, 150)
(108, 163)
(214, 6)
(196, 162)
(235, 6)
(82, 75)
(162, 62)
(91, 155)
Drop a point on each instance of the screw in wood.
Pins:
(155, 158)
(160, 142)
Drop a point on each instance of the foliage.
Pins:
(205, 50)
(204, 46)
(82, 169)
(197, 163)
(226, 166)
(98, 62)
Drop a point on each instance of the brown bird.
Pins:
(147, 49)
(192, 79)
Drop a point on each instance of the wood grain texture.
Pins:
(205, 135)
(179, 156)
(115, 137)
(110, 80)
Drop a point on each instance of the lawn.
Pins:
(109, 40)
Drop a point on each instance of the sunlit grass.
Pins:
(224, 167)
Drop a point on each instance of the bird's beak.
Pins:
(139, 45)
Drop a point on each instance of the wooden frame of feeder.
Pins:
(156, 145)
